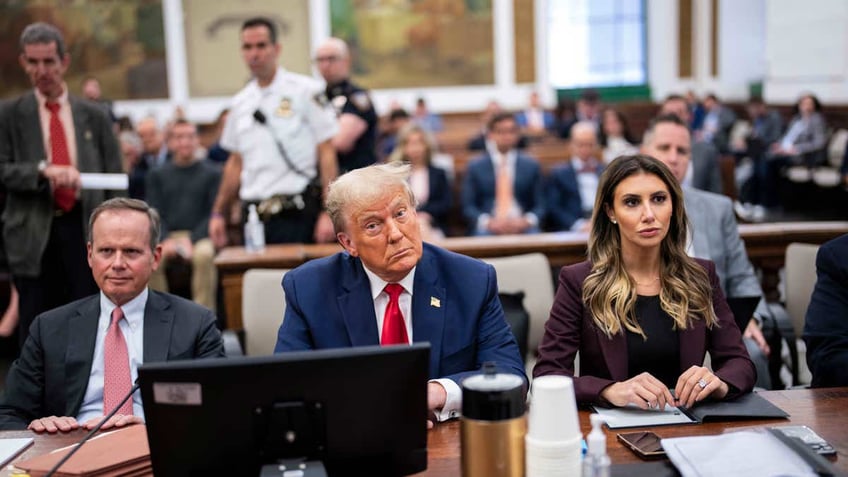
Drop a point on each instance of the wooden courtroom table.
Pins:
(823, 410)
(766, 245)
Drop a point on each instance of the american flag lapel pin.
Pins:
(435, 302)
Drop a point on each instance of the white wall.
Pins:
(741, 43)
(807, 50)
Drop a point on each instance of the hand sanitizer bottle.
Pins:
(596, 462)
(254, 231)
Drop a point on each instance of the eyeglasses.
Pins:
(328, 59)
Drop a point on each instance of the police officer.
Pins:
(279, 131)
(355, 142)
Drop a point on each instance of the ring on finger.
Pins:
(702, 383)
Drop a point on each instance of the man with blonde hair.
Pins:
(388, 287)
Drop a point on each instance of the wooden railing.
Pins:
(766, 245)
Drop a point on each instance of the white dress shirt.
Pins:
(453, 403)
(587, 186)
(132, 326)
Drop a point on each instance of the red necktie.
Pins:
(394, 328)
(64, 197)
(117, 380)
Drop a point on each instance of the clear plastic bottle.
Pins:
(596, 462)
(254, 231)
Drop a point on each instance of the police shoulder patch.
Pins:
(361, 100)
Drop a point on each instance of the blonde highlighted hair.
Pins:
(610, 293)
(398, 156)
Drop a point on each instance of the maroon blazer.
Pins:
(603, 360)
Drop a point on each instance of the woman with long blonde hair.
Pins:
(640, 311)
(416, 147)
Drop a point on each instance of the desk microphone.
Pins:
(93, 431)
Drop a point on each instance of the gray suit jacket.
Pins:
(51, 375)
(29, 201)
(705, 170)
(715, 236)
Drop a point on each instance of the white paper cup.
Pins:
(553, 411)
(545, 460)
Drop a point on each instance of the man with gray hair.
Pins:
(81, 359)
(355, 142)
(47, 138)
(388, 287)
(570, 189)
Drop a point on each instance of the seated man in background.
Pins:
(502, 191)
(826, 324)
(703, 171)
(388, 287)
(535, 120)
(81, 359)
(714, 234)
(718, 121)
(183, 192)
(570, 190)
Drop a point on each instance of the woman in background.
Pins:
(614, 136)
(429, 183)
(640, 311)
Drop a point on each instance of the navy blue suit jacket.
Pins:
(562, 197)
(826, 324)
(478, 189)
(440, 198)
(455, 308)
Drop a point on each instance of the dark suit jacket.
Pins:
(603, 361)
(706, 174)
(51, 375)
(439, 199)
(455, 308)
(29, 207)
(478, 189)
(562, 197)
(826, 324)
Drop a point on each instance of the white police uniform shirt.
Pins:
(298, 114)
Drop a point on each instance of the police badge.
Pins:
(285, 108)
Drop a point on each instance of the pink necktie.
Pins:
(394, 328)
(503, 191)
(63, 196)
(117, 380)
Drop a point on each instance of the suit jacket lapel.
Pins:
(429, 301)
(615, 353)
(158, 321)
(692, 345)
(82, 334)
(357, 306)
(31, 128)
(83, 135)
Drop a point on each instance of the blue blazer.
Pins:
(440, 198)
(826, 324)
(455, 307)
(562, 197)
(478, 189)
(547, 118)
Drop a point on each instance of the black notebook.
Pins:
(745, 407)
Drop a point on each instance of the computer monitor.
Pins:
(360, 411)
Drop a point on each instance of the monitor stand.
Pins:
(294, 468)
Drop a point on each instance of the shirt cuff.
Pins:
(483, 223)
(531, 219)
(577, 225)
(453, 403)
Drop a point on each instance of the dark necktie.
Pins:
(394, 328)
